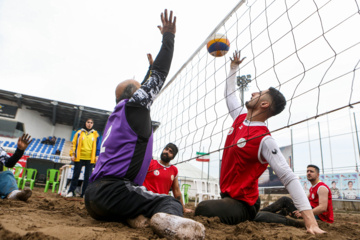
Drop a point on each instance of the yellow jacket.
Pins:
(77, 141)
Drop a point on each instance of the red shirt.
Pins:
(160, 178)
(327, 216)
(242, 164)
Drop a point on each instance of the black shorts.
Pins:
(116, 199)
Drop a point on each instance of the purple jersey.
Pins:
(123, 153)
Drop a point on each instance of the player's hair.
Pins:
(127, 93)
(314, 166)
(350, 182)
(278, 101)
(333, 182)
(173, 147)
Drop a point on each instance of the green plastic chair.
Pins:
(18, 171)
(51, 175)
(184, 189)
(30, 176)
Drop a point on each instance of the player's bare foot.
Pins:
(175, 227)
(139, 222)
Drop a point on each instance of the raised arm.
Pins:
(146, 94)
(22, 144)
(232, 101)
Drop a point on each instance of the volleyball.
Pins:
(218, 45)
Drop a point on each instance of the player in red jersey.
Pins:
(162, 176)
(320, 199)
(249, 147)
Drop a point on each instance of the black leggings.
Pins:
(113, 199)
(229, 210)
(277, 212)
(76, 175)
(283, 205)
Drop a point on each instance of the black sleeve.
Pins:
(163, 60)
(10, 162)
(139, 119)
(147, 75)
(147, 93)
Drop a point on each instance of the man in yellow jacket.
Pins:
(85, 151)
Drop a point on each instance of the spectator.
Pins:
(45, 141)
(85, 151)
(8, 184)
(52, 141)
(49, 140)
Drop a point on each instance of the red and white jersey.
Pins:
(160, 178)
(327, 216)
(242, 164)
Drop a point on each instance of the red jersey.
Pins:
(242, 164)
(327, 216)
(160, 178)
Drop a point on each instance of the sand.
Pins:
(50, 216)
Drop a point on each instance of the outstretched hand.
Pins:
(168, 24)
(297, 214)
(310, 222)
(24, 141)
(235, 61)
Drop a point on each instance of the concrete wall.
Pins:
(38, 126)
(346, 205)
(267, 199)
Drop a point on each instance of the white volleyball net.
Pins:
(309, 50)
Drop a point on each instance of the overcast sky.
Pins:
(78, 51)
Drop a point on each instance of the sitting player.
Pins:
(249, 148)
(115, 192)
(320, 199)
(162, 176)
(8, 186)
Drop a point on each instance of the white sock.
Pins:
(175, 227)
(12, 195)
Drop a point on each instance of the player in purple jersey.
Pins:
(115, 191)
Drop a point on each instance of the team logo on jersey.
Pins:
(231, 130)
(172, 177)
(274, 151)
(156, 173)
(240, 127)
(241, 142)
